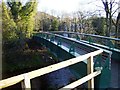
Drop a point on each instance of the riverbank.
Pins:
(35, 57)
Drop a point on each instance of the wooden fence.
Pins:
(25, 78)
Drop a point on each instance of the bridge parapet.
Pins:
(95, 38)
(108, 43)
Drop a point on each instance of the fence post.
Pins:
(89, 71)
(26, 83)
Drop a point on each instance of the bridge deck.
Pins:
(66, 46)
(78, 51)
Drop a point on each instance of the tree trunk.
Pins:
(118, 26)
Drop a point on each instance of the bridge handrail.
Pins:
(98, 36)
(60, 36)
(102, 41)
(25, 78)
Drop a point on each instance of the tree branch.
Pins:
(115, 11)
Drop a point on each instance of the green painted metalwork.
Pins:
(107, 64)
(79, 69)
(40, 35)
(72, 48)
(44, 36)
(105, 77)
(97, 62)
(89, 39)
(59, 42)
(110, 44)
(115, 40)
(77, 37)
(52, 37)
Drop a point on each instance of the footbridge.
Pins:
(89, 58)
(66, 45)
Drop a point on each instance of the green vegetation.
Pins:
(20, 53)
(54, 25)
(99, 25)
(45, 22)
(30, 59)
(18, 22)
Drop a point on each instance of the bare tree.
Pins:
(81, 18)
(108, 7)
(66, 21)
(84, 20)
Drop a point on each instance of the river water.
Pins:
(54, 80)
(59, 78)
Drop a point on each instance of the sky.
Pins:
(67, 6)
(58, 7)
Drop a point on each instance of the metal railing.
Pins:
(112, 43)
(26, 77)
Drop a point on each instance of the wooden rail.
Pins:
(25, 78)
(82, 80)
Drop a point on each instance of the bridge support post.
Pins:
(90, 71)
(26, 83)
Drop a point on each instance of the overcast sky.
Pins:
(69, 6)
